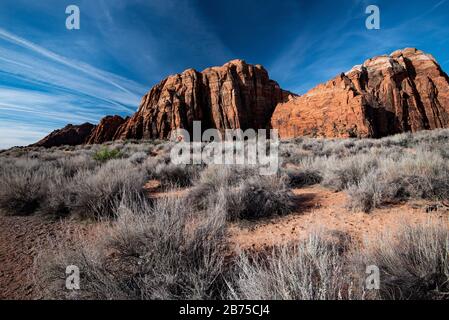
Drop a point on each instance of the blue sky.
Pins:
(51, 76)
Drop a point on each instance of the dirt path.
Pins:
(20, 241)
(320, 209)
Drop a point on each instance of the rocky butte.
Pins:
(70, 135)
(404, 91)
(235, 95)
(401, 92)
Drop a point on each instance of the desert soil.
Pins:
(321, 210)
(21, 239)
(317, 209)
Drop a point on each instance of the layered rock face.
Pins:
(236, 95)
(106, 129)
(405, 91)
(69, 135)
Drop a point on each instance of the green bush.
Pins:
(106, 154)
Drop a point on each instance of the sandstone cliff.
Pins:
(401, 92)
(106, 129)
(405, 91)
(236, 95)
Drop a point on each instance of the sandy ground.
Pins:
(316, 209)
(322, 210)
(20, 238)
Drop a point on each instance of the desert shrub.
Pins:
(215, 178)
(73, 164)
(312, 269)
(247, 195)
(367, 194)
(59, 196)
(172, 174)
(421, 176)
(23, 186)
(52, 155)
(159, 252)
(96, 192)
(293, 154)
(258, 197)
(138, 157)
(414, 262)
(342, 173)
(151, 163)
(298, 178)
(313, 145)
(106, 154)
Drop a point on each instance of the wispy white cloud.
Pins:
(18, 134)
(47, 88)
(100, 75)
(49, 82)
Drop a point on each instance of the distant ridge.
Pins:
(401, 92)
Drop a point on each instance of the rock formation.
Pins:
(401, 92)
(106, 129)
(236, 95)
(405, 91)
(69, 135)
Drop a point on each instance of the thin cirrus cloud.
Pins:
(42, 90)
(46, 82)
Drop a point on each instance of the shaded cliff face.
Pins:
(236, 95)
(106, 129)
(69, 135)
(405, 91)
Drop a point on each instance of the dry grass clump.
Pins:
(298, 178)
(138, 157)
(95, 193)
(424, 175)
(23, 186)
(312, 269)
(173, 174)
(414, 262)
(216, 177)
(166, 252)
(340, 174)
(60, 183)
(71, 165)
(373, 172)
(247, 194)
(151, 252)
(258, 197)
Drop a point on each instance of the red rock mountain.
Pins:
(106, 129)
(405, 91)
(236, 95)
(69, 135)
